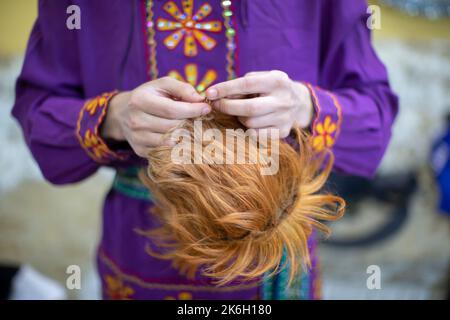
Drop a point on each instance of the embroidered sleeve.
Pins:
(328, 118)
(90, 119)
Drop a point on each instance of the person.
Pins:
(105, 93)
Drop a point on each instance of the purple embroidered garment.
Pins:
(68, 77)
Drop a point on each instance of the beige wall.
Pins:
(16, 21)
(396, 24)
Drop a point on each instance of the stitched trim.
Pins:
(235, 43)
(188, 27)
(151, 42)
(196, 33)
(339, 112)
(230, 33)
(163, 286)
(328, 121)
(315, 103)
(90, 118)
(145, 35)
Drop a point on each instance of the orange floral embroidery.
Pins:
(181, 296)
(189, 27)
(99, 102)
(324, 137)
(93, 143)
(191, 76)
(90, 118)
(116, 289)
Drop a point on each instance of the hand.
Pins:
(142, 116)
(277, 101)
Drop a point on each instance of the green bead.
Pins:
(231, 32)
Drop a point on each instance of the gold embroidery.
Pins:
(153, 69)
(230, 33)
(99, 102)
(132, 279)
(88, 132)
(339, 112)
(116, 289)
(178, 32)
(191, 76)
(325, 134)
(181, 296)
(93, 143)
(189, 27)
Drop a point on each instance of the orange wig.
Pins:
(230, 221)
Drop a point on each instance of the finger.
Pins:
(146, 121)
(170, 109)
(244, 85)
(245, 107)
(275, 119)
(272, 133)
(243, 96)
(263, 82)
(178, 89)
(238, 96)
(255, 73)
(145, 139)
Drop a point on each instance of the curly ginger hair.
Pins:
(229, 221)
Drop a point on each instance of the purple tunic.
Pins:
(68, 77)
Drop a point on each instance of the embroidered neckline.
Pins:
(187, 20)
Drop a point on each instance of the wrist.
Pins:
(305, 109)
(111, 128)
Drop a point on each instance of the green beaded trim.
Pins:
(128, 183)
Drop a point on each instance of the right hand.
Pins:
(142, 116)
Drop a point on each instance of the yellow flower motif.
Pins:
(191, 76)
(95, 103)
(116, 289)
(181, 296)
(189, 26)
(94, 144)
(324, 134)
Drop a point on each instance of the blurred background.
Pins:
(399, 221)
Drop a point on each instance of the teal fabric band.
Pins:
(276, 287)
(128, 183)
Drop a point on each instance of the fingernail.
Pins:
(211, 93)
(196, 95)
(171, 141)
(206, 110)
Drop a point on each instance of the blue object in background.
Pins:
(440, 161)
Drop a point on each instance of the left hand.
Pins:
(277, 101)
